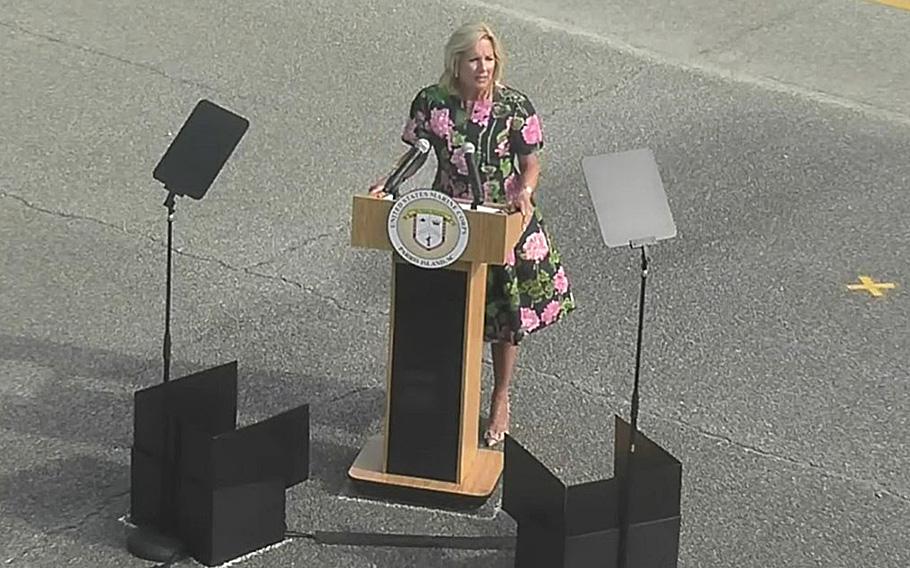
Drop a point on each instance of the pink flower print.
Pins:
(510, 184)
(510, 258)
(502, 150)
(560, 282)
(551, 312)
(529, 319)
(440, 123)
(535, 247)
(459, 161)
(480, 112)
(531, 130)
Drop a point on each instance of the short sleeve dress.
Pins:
(531, 291)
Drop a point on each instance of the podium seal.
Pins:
(428, 228)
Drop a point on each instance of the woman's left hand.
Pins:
(523, 204)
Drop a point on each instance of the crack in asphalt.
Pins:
(761, 26)
(88, 516)
(307, 288)
(306, 242)
(248, 270)
(74, 526)
(877, 487)
(61, 214)
(607, 91)
(352, 392)
(98, 53)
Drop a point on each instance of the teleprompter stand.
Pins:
(188, 167)
(633, 519)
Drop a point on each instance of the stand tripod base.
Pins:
(150, 544)
(480, 481)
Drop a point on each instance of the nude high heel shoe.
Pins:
(492, 437)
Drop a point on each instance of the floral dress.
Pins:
(531, 291)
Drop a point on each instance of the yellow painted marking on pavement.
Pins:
(871, 286)
(902, 4)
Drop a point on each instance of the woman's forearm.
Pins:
(530, 172)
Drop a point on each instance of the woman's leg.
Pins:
(504, 356)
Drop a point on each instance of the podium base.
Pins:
(480, 481)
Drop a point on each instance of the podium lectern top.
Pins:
(493, 231)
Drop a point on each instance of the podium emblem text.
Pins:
(428, 228)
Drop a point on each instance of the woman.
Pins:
(470, 104)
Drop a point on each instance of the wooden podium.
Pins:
(430, 437)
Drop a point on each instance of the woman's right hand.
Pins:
(377, 189)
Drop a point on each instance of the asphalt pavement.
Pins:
(781, 131)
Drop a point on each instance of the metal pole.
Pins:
(169, 202)
(624, 520)
(641, 325)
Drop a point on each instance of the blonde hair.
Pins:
(462, 40)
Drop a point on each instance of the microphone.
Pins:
(476, 186)
(417, 152)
